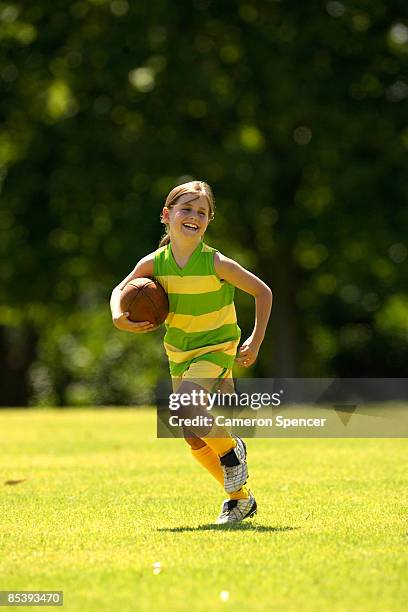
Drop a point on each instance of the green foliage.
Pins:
(83, 360)
(294, 114)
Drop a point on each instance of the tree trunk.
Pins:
(281, 343)
(17, 353)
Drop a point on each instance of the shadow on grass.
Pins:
(233, 527)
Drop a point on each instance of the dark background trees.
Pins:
(297, 117)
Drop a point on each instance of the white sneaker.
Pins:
(236, 510)
(235, 467)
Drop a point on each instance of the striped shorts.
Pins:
(208, 375)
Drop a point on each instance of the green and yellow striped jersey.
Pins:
(202, 322)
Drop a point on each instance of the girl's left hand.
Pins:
(248, 353)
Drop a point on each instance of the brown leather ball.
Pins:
(145, 300)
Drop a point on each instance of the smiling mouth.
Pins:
(191, 227)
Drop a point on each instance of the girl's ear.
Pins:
(165, 215)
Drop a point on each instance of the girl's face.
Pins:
(188, 218)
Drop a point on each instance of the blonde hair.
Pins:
(195, 187)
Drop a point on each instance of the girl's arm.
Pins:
(232, 272)
(144, 268)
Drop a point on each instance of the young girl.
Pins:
(202, 334)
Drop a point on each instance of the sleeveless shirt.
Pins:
(202, 322)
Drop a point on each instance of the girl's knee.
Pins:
(194, 442)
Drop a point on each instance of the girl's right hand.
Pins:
(122, 322)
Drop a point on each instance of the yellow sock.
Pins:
(220, 440)
(242, 493)
(211, 462)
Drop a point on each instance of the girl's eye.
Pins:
(187, 209)
(202, 214)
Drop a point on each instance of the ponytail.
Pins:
(165, 239)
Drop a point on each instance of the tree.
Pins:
(294, 114)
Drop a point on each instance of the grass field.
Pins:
(103, 500)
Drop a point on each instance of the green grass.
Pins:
(104, 499)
